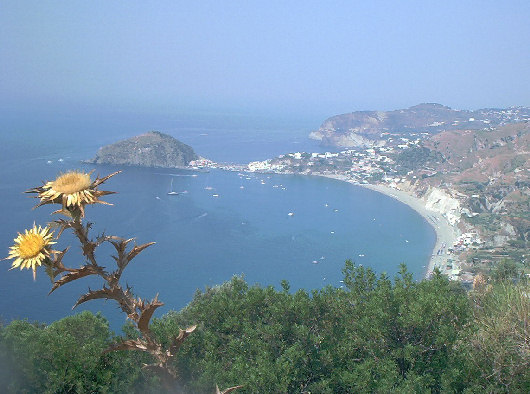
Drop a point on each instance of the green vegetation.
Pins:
(486, 220)
(417, 157)
(373, 335)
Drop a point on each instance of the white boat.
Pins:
(171, 192)
(290, 214)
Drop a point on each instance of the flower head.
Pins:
(32, 248)
(73, 190)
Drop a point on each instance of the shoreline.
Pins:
(446, 234)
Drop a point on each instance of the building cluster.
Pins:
(363, 166)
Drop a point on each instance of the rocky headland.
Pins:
(152, 149)
(364, 129)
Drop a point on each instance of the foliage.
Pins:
(373, 335)
(494, 353)
(66, 357)
(417, 157)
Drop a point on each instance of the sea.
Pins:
(264, 227)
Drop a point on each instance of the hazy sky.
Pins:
(319, 57)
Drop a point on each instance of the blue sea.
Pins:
(201, 239)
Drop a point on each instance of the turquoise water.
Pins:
(202, 239)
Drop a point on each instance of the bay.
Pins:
(201, 239)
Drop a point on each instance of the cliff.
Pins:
(152, 149)
(369, 128)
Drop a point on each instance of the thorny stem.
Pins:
(126, 300)
(138, 310)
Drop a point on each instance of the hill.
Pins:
(367, 128)
(152, 149)
(487, 170)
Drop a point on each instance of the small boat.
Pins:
(171, 192)
(315, 262)
(215, 195)
(290, 214)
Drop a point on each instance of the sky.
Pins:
(310, 58)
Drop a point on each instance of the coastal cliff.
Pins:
(152, 149)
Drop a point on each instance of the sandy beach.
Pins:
(446, 234)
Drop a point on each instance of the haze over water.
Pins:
(201, 240)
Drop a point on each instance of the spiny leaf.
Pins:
(76, 274)
(105, 292)
(147, 311)
(130, 344)
(137, 250)
(99, 180)
(177, 341)
(226, 391)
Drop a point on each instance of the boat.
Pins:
(171, 192)
(290, 214)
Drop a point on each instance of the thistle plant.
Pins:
(72, 191)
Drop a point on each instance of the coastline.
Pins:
(446, 234)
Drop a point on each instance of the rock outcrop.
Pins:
(153, 149)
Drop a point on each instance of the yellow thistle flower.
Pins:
(32, 248)
(73, 189)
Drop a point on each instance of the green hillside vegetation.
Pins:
(373, 335)
(488, 170)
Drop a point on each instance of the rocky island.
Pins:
(152, 149)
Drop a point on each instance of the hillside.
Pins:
(367, 128)
(488, 170)
(152, 149)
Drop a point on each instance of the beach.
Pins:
(446, 234)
